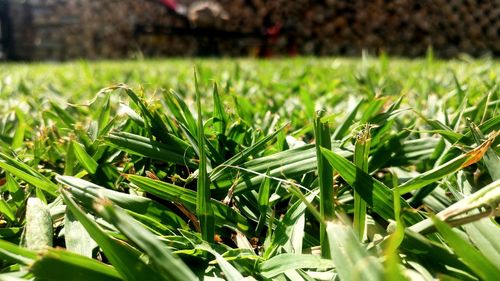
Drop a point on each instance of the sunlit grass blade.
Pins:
(361, 153)
(488, 197)
(83, 157)
(470, 255)
(237, 159)
(283, 232)
(285, 262)
(230, 272)
(26, 173)
(86, 193)
(376, 194)
(126, 259)
(219, 114)
(445, 131)
(483, 233)
(6, 210)
(204, 209)
(76, 238)
(168, 266)
(351, 260)
(264, 193)
(448, 168)
(103, 114)
(15, 253)
(325, 180)
(58, 264)
(38, 232)
(18, 138)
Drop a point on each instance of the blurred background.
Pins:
(93, 29)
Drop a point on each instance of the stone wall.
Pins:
(69, 29)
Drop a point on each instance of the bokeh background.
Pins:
(92, 29)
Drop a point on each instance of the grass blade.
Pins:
(86, 193)
(351, 261)
(472, 257)
(168, 266)
(325, 179)
(204, 209)
(264, 192)
(83, 157)
(224, 215)
(38, 230)
(126, 260)
(490, 158)
(361, 152)
(376, 194)
(231, 273)
(284, 230)
(26, 173)
(449, 167)
(58, 264)
(16, 253)
(142, 146)
(76, 238)
(285, 262)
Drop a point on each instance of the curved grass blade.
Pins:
(231, 273)
(126, 259)
(285, 227)
(285, 262)
(376, 194)
(168, 266)
(224, 215)
(83, 157)
(14, 253)
(180, 153)
(449, 167)
(490, 158)
(477, 262)
(28, 174)
(86, 193)
(351, 260)
(219, 171)
(488, 196)
(58, 264)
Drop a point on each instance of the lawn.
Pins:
(299, 169)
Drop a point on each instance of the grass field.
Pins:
(299, 169)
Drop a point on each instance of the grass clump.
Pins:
(233, 174)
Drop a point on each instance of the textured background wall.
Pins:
(66, 29)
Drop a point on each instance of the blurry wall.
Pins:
(68, 29)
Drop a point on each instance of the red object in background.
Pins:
(274, 30)
(172, 4)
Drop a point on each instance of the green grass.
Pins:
(107, 171)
